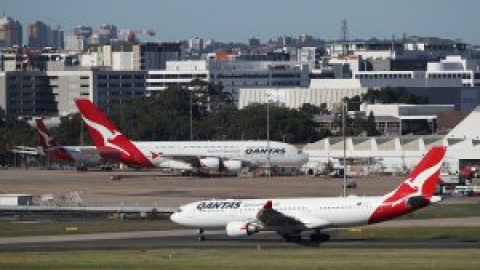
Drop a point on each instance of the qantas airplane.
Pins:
(184, 155)
(291, 216)
(82, 156)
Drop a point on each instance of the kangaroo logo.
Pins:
(49, 142)
(416, 184)
(107, 135)
(155, 155)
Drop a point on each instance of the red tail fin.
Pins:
(423, 179)
(50, 146)
(46, 140)
(416, 191)
(106, 136)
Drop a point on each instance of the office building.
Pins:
(11, 32)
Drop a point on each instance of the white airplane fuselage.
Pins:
(318, 212)
(86, 155)
(173, 154)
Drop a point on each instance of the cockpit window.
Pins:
(300, 152)
(179, 210)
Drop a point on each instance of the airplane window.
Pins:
(179, 210)
(299, 151)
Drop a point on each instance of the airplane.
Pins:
(229, 156)
(289, 217)
(82, 156)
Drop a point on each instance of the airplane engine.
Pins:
(240, 228)
(232, 165)
(210, 163)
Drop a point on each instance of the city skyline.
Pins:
(227, 21)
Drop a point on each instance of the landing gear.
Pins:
(201, 236)
(292, 238)
(82, 168)
(317, 236)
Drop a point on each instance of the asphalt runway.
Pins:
(188, 238)
(214, 239)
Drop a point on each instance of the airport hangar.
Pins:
(399, 154)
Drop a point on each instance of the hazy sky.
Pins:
(227, 20)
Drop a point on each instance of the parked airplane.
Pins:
(290, 216)
(82, 156)
(185, 155)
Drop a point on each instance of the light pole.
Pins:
(191, 115)
(82, 142)
(268, 136)
(344, 151)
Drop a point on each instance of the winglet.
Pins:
(268, 205)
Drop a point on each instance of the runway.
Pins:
(215, 239)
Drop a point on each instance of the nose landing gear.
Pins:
(201, 235)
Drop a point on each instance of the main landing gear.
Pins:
(316, 236)
(292, 238)
(201, 236)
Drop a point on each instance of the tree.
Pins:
(69, 131)
(392, 95)
(370, 125)
(311, 110)
(15, 132)
(2, 117)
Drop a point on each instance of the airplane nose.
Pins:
(174, 217)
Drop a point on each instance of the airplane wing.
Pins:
(270, 217)
(26, 150)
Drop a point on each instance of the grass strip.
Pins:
(216, 258)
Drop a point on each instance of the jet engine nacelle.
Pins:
(232, 165)
(210, 163)
(241, 228)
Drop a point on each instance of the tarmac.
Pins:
(147, 188)
(187, 238)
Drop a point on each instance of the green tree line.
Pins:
(166, 116)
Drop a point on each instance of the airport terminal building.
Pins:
(398, 154)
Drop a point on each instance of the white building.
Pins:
(397, 154)
(453, 80)
(233, 75)
(124, 55)
(294, 98)
(408, 48)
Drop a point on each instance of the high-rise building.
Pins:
(305, 39)
(195, 44)
(122, 55)
(39, 35)
(253, 42)
(57, 39)
(10, 32)
(83, 32)
(75, 40)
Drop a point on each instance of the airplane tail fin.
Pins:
(108, 140)
(415, 192)
(49, 144)
(101, 129)
(424, 178)
(46, 140)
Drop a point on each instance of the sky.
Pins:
(227, 20)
